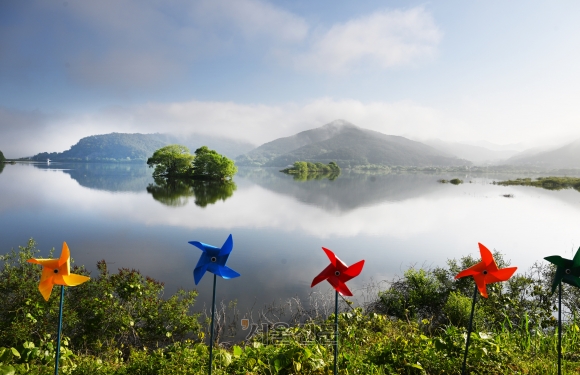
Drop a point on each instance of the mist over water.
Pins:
(393, 221)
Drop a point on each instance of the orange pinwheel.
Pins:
(57, 272)
(486, 271)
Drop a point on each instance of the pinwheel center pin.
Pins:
(55, 271)
(568, 271)
(336, 273)
(484, 272)
(213, 259)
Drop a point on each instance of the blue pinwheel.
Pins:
(214, 260)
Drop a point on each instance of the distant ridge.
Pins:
(124, 147)
(349, 146)
(567, 156)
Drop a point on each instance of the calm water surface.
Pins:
(393, 221)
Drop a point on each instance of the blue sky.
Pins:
(505, 72)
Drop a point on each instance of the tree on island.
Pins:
(2, 158)
(210, 165)
(171, 161)
(175, 161)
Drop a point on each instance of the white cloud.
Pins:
(26, 133)
(383, 39)
(253, 19)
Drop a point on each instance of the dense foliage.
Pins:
(112, 313)
(305, 170)
(2, 158)
(118, 324)
(550, 183)
(210, 165)
(175, 161)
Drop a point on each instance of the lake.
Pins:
(393, 221)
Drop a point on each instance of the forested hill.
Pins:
(2, 158)
(349, 146)
(123, 147)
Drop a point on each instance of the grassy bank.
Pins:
(117, 323)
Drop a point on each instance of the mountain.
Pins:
(349, 146)
(118, 147)
(567, 156)
(476, 154)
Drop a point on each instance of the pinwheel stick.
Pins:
(335, 332)
(211, 332)
(59, 330)
(469, 330)
(560, 329)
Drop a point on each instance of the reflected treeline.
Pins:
(2, 165)
(350, 191)
(116, 177)
(177, 192)
(307, 176)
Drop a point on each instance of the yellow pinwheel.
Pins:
(57, 272)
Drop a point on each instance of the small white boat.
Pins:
(47, 161)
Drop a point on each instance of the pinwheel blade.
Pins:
(558, 276)
(203, 246)
(227, 246)
(353, 271)
(473, 270)
(227, 273)
(501, 275)
(45, 288)
(572, 280)
(331, 256)
(576, 260)
(486, 256)
(325, 274)
(74, 279)
(339, 286)
(64, 255)
(481, 285)
(199, 271)
(557, 260)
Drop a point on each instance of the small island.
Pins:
(454, 181)
(305, 170)
(550, 183)
(205, 176)
(308, 167)
(175, 161)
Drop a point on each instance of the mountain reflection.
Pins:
(350, 191)
(177, 192)
(115, 177)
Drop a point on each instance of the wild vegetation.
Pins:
(550, 183)
(2, 158)
(118, 323)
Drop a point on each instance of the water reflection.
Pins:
(348, 192)
(315, 176)
(177, 192)
(116, 177)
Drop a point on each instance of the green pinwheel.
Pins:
(567, 270)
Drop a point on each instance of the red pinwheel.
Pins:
(337, 273)
(486, 271)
